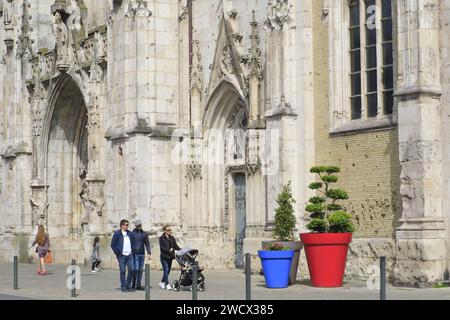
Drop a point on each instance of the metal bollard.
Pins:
(382, 278)
(16, 273)
(194, 282)
(147, 282)
(248, 277)
(73, 292)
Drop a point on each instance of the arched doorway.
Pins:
(225, 124)
(66, 167)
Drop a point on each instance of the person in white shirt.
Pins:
(122, 245)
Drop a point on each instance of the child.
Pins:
(96, 260)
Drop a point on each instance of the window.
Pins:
(371, 58)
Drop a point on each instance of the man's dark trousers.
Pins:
(139, 260)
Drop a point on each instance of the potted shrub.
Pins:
(284, 230)
(276, 263)
(326, 246)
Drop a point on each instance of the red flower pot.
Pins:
(326, 254)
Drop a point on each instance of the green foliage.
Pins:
(337, 194)
(317, 225)
(317, 200)
(329, 178)
(284, 216)
(326, 215)
(340, 221)
(315, 185)
(278, 247)
(325, 169)
(314, 208)
(334, 207)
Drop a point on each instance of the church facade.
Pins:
(195, 113)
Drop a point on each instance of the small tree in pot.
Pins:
(284, 229)
(327, 246)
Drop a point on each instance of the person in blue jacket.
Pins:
(141, 244)
(122, 245)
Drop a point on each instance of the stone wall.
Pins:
(369, 163)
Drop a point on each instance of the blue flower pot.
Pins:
(276, 267)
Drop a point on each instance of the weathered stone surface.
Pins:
(111, 116)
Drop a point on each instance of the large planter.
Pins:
(276, 267)
(293, 245)
(326, 254)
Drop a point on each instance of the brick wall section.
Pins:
(370, 168)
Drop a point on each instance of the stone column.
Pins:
(93, 193)
(421, 244)
(256, 180)
(280, 115)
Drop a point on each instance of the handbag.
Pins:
(48, 258)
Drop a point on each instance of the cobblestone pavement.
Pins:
(221, 285)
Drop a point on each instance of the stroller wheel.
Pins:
(176, 285)
(202, 287)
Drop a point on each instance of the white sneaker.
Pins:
(97, 269)
(94, 271)
(169, 287)
(162, 285)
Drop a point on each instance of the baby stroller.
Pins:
(186, 258)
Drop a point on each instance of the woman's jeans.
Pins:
(166, 265)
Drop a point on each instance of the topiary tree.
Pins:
(284, 216)
(325, 212)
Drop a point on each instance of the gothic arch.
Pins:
(57, 89)
(224, 102)
(64, 155)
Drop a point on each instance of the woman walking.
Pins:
(168, 245)
(96, 260)
(43, 245)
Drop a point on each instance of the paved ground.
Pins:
(221, 285)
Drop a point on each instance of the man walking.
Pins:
(141, 244)
(122, 244)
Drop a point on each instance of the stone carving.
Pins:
(92, 196)
(8, 15)
(24, 41)
(197, 69)
(194, 171)
(39, 204)
(137, 8)
(101, 46)
(61, 34)
(253, 168)
(226, 61)
(253, 59)
(93, 113)
(8, 12)
(278, 14)
(95, 73)
(232, 14)
(37, 108)
(75, 22)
